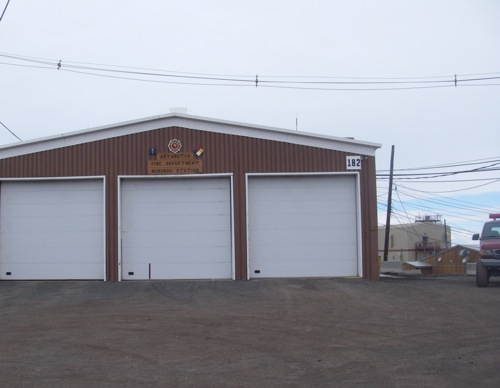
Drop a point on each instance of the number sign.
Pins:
(353, 162)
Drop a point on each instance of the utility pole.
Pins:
(389, 202)
(445, 236)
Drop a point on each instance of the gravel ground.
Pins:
(408, 331)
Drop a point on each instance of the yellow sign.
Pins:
(179, 163)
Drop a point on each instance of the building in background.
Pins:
(415, 241)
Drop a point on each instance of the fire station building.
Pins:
(185, 197)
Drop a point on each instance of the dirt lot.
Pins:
(398, 332)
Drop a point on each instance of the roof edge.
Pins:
(192, 122)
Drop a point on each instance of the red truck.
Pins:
(489, 248)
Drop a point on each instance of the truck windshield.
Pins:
(491, 231)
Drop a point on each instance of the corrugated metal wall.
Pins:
(128, 155)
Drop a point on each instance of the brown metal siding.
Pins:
(128, 155)
(369, 223)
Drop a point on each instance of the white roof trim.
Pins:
(192, 122)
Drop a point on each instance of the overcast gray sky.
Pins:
(430, 123)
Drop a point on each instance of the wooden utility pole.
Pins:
(389, 202)
(445, 236)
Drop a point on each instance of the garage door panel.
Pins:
(306, 186)
(302, 252)
(319, 208)
(184, 189)
(297, 237)
(297, 269)
(302, 226)
(176, 228)
(150, 209)
(57, 195)
(135, 271)
(55, 210)
(148, 254)
(158, 226)
(49, 195)
(312, 195)
(184, 238)
(47, 238)
(52, 229)
(37, 225)
(52, 238)
(315, 222)
(53, 271)
(182, 241)
(309, 212)
(190, 270)
(51, 252)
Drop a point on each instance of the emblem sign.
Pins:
(198, 151)
(174, 146)
(175, 162)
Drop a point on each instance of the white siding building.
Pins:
(415, 241)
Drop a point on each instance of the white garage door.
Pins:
(52, 230)
(302, 226)
(176, 228)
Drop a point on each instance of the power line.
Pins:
(401, 202)
(490, 180)
(467, 214)
(434, 175)
(468, 203)
(13, 134)
(5, 9)
(157, 81)
(51, 62)
(459, 190)
(461, 213)
(294, 82)
(413, 231)
(396, 213)
(447, 165)
(411, 201)
(458, 209)
(418, 200)
(437, 201)
(446, 173)
(456, 229)
(357, 89)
